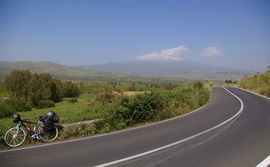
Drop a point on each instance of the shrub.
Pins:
(267, 92)
(6, 109)
(46, 104)
(259, 83)
(108, 93)
(72, 100)
(71, 89)
(140, 108)
(152, 106)
(19, 104)
(228, 81)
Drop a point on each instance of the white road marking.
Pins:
(180, 141)
(265, 162)
(253, 93)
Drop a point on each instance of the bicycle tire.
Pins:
(14, 141)
(51, 134)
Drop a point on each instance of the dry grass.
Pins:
(132, 93)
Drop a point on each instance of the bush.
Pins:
(71, 89)
(107, 93)
(46, 104)
(6, 109)
(72, 100)
(259, 83)
(228, 81)
(134, 109)
(19, 104)
(153, 106)
(143, 107)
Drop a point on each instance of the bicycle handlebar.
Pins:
(28, 121)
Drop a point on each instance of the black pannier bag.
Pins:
(49, 119)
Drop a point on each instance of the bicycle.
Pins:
(15, 136)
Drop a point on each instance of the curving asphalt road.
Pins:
(222, 133)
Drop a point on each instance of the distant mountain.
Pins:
(188, 70)
(58, 71)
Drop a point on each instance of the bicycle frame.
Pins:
(17, 129)
(35, 134)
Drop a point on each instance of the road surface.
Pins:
(232, 130)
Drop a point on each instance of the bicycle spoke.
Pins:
(19, 137)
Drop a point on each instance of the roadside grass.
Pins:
(87, 108)
(69, 113)
(259, 83)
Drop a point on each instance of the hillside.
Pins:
(59, 71)
(126, 71)
(187, 70)
(259, 83)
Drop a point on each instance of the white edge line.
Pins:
(106, 134)
(265, 162)
(180, 141)
(252, 92)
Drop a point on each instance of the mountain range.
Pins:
(59, 71)
(187, 70)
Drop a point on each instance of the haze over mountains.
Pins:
(58, 71)
(184, 70)
(188, 70)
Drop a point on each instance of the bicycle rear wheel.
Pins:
(14, 137)
(48, 136)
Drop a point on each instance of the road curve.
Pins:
(241, 141)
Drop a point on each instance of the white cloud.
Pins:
(173, 54)
(211, 51)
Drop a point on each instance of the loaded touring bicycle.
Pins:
(45, 129)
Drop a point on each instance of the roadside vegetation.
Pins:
(114, 104)
(259, 83)
(126, 111)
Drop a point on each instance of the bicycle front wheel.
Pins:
(48, 136)
(14, 137)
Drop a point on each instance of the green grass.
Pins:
(91, 87)
(259, 83)
(88, 109)
(69, 113)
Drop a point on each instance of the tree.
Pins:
(57, 90)
(36, 87)
(18, 82)
(108, 93)
(40, 88)
(71, 89)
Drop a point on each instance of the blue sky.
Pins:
(229, 33)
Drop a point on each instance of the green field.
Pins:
(89, 107)
(69, 112)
